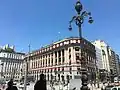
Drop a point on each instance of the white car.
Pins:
(112, 88)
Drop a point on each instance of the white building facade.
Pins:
(98, 58)
(11, 63)
(108, 61)
(102, 47)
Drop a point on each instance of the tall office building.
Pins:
(117, 64)
(98, 58)
(108, 61)
(112, 61)
(104, 62)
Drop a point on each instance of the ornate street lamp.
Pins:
(79, 19)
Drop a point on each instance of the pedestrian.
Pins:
(10, 86)
(3, 87)
(40, 84)
(103, 87)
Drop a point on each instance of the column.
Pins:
(5, 68)
(53, 58)
(57, 65)
(66, 61)
(36, 75)
(50, 60)
(50, 66)
(1, 70)
(47, 61)
(9, 69)
(53, 63)
(42, 61)
(61, 57)
(39, 63)
(66, 56)
(72, 55)
(57, 58)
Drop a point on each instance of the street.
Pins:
(57, 87)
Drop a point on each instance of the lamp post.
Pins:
(26, 69)
(79, 19)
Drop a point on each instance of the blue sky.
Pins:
(39, 21)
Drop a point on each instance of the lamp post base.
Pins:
(84, 80)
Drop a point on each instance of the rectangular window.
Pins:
(46, 62)
(52, 61)
(63, 52)
(76, 48)
(55, 54)
(69, 50)
(63, 69)
(63, 59)
(43, 63)
(77, 57)
(56, 61)
(49, 61)
(58, 69)
(69, 56)
(59, 53)
(70, 62)
(59, 60)
(70, 70)
(51, 54)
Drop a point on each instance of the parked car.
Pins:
(109, 87)
(112, 88)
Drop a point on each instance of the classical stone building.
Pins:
(62, 59)
(11, 63)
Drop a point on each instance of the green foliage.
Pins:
(7, 50)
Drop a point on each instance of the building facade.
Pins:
(11, 63)
(108, 57)
(104, 54)
(98, 58)
(117, 64)
(62, 59)
(112, 61)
